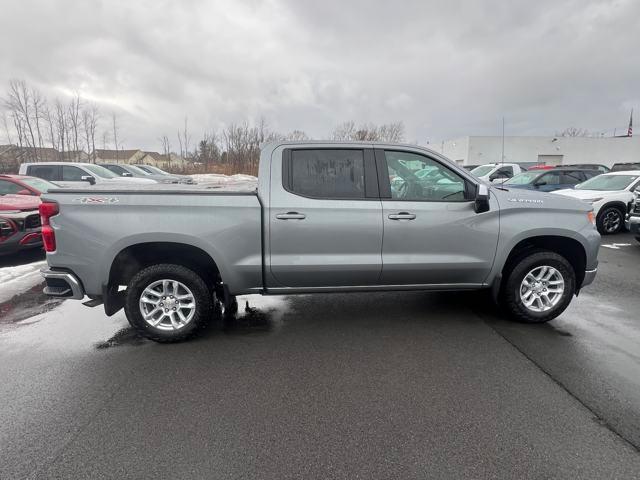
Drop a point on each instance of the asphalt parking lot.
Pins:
(391, 385)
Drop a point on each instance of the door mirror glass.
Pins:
(482, 198)
(127, 174)
(88, 178)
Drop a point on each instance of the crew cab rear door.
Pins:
(325, 217)
(432, 234)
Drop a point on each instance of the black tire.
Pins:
(610, 220)
(198, 288)
(638, 239)
(511, 298)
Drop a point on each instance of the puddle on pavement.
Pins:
(125, 336)
(256, 314)
(26, 305)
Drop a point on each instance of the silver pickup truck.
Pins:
(323, 217)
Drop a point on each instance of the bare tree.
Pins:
(89, 126)
(166, 145)
(389, 132)
(7, 130)
(573, 132)
(73, 116)
(50, 124)
(297, 136)
(61, 127)
(19, 103)
(39, 105)
(114, 124)
(184, 139)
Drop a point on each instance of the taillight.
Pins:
(48, 210)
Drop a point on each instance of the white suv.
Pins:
(71, 174)
(609, 194)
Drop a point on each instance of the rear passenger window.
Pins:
(327, 173)
(47, 172)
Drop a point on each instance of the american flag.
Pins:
(630, 131)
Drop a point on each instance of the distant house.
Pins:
(163, 161)
(119, 156)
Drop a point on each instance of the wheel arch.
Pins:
(136, 256)
(570, 248)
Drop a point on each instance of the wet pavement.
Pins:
(379, 385)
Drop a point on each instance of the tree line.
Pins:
(75, 127)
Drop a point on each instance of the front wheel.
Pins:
(539, 287)
(168, 303)
(610, 220)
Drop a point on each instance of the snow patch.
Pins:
(220, 179)
(16, 280)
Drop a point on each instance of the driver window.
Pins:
(72, 174)
(418, 178)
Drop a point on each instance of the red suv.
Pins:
(19, 223)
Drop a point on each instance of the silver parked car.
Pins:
(75, 174)
(125, 170)
(324, 218)
(151, 170)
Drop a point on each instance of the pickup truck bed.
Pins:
(102, 224)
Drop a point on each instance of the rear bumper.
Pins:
(62, 284)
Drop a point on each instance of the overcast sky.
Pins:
(445, 68)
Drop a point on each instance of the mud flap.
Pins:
(113, 299)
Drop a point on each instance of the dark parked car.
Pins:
(550, 180)
(590, 166)
(625, 167)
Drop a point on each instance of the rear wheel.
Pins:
(610, 220)
(168, 303)
(539, 287)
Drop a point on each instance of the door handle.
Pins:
(291, 216)
(402, 216)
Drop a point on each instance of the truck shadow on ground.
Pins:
(354, 310)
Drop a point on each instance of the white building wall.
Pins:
(606, 151)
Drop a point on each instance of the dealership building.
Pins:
(476, 150)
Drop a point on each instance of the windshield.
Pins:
(41, 185)
(117, 169)
(482, 170)
(136, 170)
(156, 170)
(101, 171)
(608, 182)
(523, 178)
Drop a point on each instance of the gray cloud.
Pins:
(445, 68)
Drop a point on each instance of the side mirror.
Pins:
(540, 183)
(23, 192)
(482, 199)
(127, 174)
(88, 178)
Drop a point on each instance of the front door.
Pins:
(432, 234)
(325, 218)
